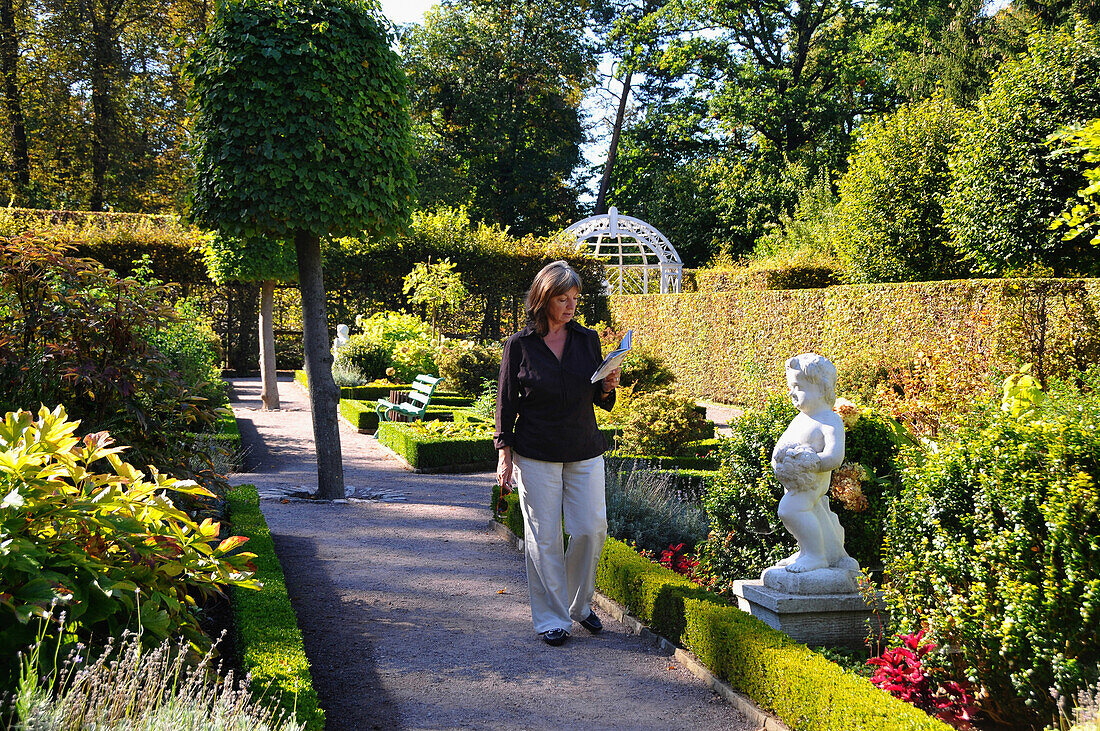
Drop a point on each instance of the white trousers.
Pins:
(561, 583)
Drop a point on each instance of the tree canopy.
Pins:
(495, 95)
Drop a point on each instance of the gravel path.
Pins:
(414, 611)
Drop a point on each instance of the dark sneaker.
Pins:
(592, 623)
(554, 637)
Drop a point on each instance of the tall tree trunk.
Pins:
(601, 198)
(102, 28)
(323, 394)
(269, 389)
(9, 65)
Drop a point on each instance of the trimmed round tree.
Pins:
(301, 132)
(889, 220)
(1008, 182)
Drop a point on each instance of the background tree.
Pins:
(435, 286)
(301, 133)
(1008, 185)
(495, 94)
(889, 223)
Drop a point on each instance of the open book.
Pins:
(614, 358)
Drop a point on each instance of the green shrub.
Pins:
(194, 350)
(993, 546)
(465, 365)
(411, 358)
(643, 370)
(109, 547)
(660, 423)
(437, 453)
(76, 334)
(391, 328)
(889, 223)
(366, 353)
(486, 404)
(1007, 185)
(269, 642)
(746, 535)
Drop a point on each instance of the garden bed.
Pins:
(803, 688)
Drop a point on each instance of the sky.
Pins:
(406, 11)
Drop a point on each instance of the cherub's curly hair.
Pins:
(817, 370)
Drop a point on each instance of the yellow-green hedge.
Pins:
(117, 240)
(917, 350)
(269, 642)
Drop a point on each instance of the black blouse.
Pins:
(544, 406)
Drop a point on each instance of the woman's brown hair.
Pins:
(554, 279)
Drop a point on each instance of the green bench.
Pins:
(419, 397)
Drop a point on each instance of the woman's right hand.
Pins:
(504, 467)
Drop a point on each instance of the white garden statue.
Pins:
(803, 460)
(341, 338)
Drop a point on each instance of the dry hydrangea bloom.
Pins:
(849, 412)
(846, 486)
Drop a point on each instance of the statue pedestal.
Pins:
(828, 620)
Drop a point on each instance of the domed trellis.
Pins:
(637, 254)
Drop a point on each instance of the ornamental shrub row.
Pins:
(919, 351)
(805, 690)
(436, 453)
(269, 642)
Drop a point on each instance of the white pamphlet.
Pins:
(614, 358)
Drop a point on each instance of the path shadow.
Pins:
(337, 643)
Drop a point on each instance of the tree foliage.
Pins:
(889, 220)
(495, 89)
(301, 123)
(1007, 183)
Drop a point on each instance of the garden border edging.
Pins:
(738, 700)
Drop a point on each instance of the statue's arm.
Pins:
(832, 455)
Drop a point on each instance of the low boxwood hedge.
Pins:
(803, 688)
(269, 642)
(424, 452)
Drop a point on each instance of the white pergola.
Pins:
(636, 253)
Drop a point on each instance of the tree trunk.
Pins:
(323, 394)
(269, 389)
(9, 65)
(601, 198)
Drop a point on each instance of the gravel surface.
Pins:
(414, 611)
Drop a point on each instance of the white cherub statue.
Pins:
(341, 338)
(803, 460)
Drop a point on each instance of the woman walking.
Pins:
(548, 441)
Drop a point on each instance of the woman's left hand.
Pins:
(611, 380)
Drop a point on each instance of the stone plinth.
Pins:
(828, 620)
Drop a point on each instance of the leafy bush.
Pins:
(660, 424)
(466, 365)
(889, 222)
(109, 547)
(269, 642)
(642, 507)
(410, 358)
(993, 547)
(643, 370)
(1007, 185)
(486, 404)
(367, 354)
(391, 328)
(194, 350)
(74, 333)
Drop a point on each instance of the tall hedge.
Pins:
(1009, 184)
(916, 350)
